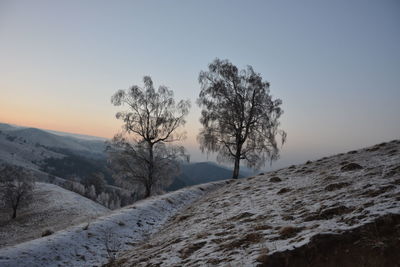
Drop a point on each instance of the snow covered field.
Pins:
(249, 220)
(94, 243)
(52, 208)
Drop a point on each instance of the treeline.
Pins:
(76, 165)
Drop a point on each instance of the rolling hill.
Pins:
(52, 208)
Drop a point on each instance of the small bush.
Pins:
(85, 227)
(275, 179)
(288, 231)
(351, 167)
(284, 190)
(47, 232)
(336, 186)
(169, 201)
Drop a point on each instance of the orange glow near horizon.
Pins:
(73, 123)
(58, 121)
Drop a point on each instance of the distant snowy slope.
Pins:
(18, 151)
(7, 127)
(43, 138)
(52, 208)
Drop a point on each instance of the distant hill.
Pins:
(62, 156)
(7, 127)
(19, 151)
(200, 173)
(49, 140)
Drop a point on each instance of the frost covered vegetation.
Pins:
(83, 167)
(51, 208)
(342, 210)
(98, 241)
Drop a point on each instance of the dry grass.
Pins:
(263, 257)
(243, 241)
(189, 250)
(288, 231)
(336, 186)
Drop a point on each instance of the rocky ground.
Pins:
(342, 210)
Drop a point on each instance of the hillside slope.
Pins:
(52, 208)
(93, 243)
(47, 139)
(17, 151)
(342, 210)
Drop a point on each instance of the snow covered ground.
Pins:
(52, 208)
(22, 153)
(94, 243)
(247, 221)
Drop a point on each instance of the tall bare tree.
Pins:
(152, 121)
(16, 186)
(239, 116)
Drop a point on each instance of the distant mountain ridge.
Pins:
(71, 142)
(8, 127)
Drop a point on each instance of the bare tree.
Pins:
(97, 180)
(239, 117)
(16, 186)
(152, 121)
(112, 245)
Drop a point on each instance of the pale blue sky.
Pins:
(335, 64)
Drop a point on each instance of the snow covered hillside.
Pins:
(29, 147)
(52, 208)
(17, 151)
(342, 210)
(48, 139)
(95, 242)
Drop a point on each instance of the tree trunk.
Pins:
(14, 213)
(236, 169)
(237, 162)
(15, 206)
(148, 191)
(151, 170)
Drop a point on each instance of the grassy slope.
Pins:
(52, 208)
(249, 221)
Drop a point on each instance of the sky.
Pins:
(334, 64)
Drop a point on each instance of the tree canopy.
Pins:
(142, 153)
(240, 118)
